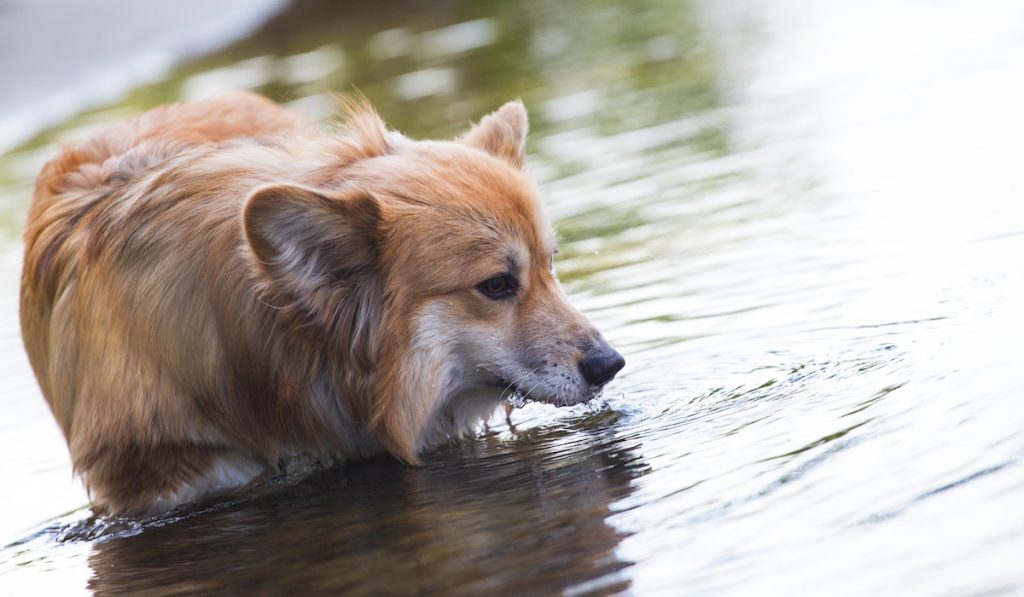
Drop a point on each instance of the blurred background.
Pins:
(801, 222)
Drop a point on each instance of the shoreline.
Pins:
(55, 67)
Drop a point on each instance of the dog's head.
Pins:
(434, 261)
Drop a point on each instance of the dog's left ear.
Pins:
(316, 255)
(502, 133)
(296, 230)
(305, 240)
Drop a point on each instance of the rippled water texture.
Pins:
(803, 224)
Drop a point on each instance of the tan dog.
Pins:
(211, 289)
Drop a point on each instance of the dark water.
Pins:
(801, 222)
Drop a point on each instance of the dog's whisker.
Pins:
(523, 378)
(534, 387)
(515, 385)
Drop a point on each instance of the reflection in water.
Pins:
(805, 244)
(527, 512)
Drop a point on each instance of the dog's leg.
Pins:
(136, 479)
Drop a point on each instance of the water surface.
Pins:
(801, 223)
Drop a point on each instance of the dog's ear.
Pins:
(502, 133)
(316, 257)
(306, 241)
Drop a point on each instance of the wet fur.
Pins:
(213, 288)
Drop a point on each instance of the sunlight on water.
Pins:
(802, 224)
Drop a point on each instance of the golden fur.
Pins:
(213, 288)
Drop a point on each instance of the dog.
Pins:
(214, 288)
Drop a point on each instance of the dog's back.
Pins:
(89, 173)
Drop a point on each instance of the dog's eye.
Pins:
(498, 287)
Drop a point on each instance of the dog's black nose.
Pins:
(599, 367)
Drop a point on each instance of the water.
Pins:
(801, 222)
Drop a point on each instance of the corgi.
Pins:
(213, 289)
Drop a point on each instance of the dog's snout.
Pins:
(599, 367)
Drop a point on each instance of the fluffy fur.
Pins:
(213, 288)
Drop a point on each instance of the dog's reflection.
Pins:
(492, 514)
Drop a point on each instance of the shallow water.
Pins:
(803, 226)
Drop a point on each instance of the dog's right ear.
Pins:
(502, 133)
(306, 241)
